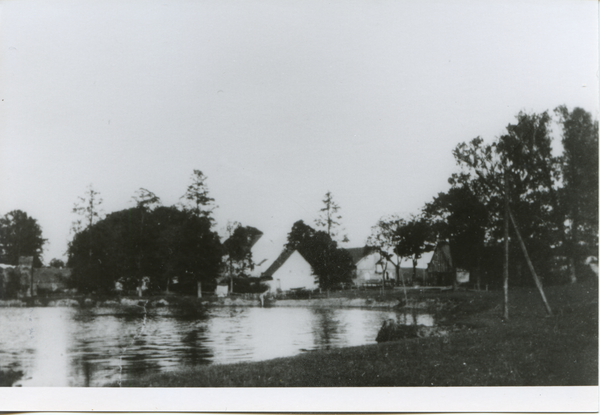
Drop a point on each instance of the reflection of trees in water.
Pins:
(10, 374)
(194, 350)
(146, 346)
(414, 316)
(326, 328)
(83, 368)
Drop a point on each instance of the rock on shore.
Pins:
(391, 330)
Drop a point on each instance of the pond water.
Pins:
(73, 347)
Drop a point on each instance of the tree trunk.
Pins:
(573, 251)
(506, 246)
(572, 271)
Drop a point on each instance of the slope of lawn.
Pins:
(481, 350)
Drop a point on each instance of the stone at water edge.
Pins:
(391, 330)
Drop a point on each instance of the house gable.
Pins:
(289, 271)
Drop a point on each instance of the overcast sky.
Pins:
(276, 101)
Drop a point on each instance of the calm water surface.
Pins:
(73, 347)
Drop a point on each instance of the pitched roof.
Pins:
(255, 235)
(359, 253)
(441, 261)
(284, 256)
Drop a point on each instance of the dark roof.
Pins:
(255, 235)
(278, 262)
(441, 261)
(359, 253)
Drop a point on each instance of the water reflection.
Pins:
(73, 347)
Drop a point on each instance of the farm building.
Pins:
(441, 269)
(371, 267)
(50, 280)
(289, 271)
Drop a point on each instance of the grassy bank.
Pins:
(530, 349)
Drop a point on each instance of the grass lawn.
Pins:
(529, 350)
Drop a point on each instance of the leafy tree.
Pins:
(171, 243)
(459, 217)
(331, 265)
(413, 240)
(329, 217)
(10, 283)
(196, 197)
(579, 194)
(238, 248)
(20, 235)
(523, 157)
(187, 247)
(384, 239)
(146, 201)
(57, 263)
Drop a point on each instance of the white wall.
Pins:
(366, 268)
(294, 273)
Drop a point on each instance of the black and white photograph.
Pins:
(311, 205)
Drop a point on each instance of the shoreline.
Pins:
(531, 349)
(389, 300)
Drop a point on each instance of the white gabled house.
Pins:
(371, 267)
(290, 271)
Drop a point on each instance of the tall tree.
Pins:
(88, 209)
(579, 194)
(331, 265)
(459, 217)
(329, 217)
(523, 157)
(20, 235)
(518, 172)
(146, 201)
(238, 248)
(174, 243)
(196, 197)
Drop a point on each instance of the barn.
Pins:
(441, 269)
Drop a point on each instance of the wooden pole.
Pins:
(506, 244)
(538, 283)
